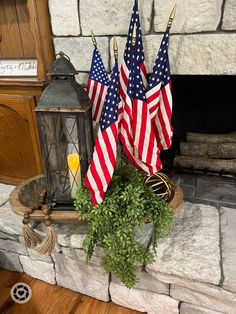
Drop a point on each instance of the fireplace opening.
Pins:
(202, 158)
(201, 104)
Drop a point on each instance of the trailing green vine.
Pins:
(128, 204)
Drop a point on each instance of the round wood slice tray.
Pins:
(27, 194)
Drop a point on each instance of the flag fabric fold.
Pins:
(97, 85)
(159, 96)
(136, 131)
(102, 167)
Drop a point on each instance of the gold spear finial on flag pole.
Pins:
(172, 16)
(94, 39)
(134, 34)
(115, 47)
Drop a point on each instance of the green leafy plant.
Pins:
(129, 204)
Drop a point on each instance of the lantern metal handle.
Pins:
(62, 54)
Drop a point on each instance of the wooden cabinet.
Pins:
(24, 33)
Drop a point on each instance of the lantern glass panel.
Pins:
(62, 154)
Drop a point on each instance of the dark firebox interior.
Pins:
(203, 104)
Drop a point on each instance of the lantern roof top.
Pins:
(62, 66)
(64, 96)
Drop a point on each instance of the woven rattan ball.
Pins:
(161, 185)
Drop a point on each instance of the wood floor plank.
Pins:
(117, 309)
(47, 299)
(92, 306)
(4, 298)
(8, 278)
(51, 299)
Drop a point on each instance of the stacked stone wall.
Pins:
(202, 42)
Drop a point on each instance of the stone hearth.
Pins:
(197, 188)
(194, 271)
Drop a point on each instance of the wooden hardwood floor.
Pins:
(51, 299)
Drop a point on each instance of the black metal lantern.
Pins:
(65, 131)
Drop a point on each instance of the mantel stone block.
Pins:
(143, 301)
(13, 246)
(146, 282)
(191, 250)
(80, 50)
(10, 261)
(64, 17)
(207, 290)
(228, 227)
(186, 308)
(110, 17)
(10, 223)
(191, 15)
(229, 17)
(38, 269)
(5, 190)
(203, 300)
(76, 275)
(190, 54)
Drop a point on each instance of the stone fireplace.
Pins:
(203, 67)
(201, 50)
(195, 270)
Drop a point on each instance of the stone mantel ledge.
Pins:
(187, 274)
(183, 49)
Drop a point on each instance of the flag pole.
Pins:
(115, 47)
(172, 16)
(94, 39)
(134, 36)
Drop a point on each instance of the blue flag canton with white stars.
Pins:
(139, 45)
(98, 72)
(110, 109)
(136, 88)
(161, 69)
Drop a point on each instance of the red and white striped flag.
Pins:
(125, 66)
(97, 85)
(159, 95)
(136, 132)
(102, 167)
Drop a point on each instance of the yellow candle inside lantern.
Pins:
(74, 172)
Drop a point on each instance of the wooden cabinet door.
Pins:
(19, 147)
(16, 39)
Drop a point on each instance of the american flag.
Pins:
(125, 66)
(136, 133)
(159, 95)
(102, 167)
(97, 85)
(145, 144)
